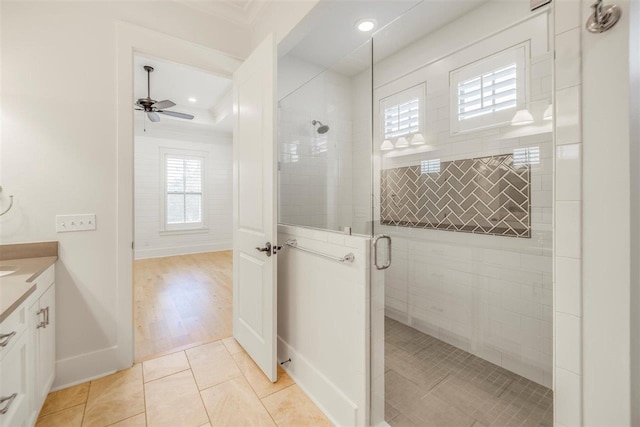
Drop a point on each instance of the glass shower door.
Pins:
(462, 185)
(324, 138)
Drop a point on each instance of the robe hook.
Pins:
(603, 17)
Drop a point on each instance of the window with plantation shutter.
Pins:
(402, 119)
(488, 92)
(183, 183)
(403, 112)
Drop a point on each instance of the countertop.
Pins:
(15, 288)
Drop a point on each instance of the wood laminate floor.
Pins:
(181, 302)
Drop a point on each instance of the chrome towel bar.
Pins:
(293, 243)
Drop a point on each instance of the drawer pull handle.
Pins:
(5, 340)
(46, 314)
(9, 400)
(42, 324)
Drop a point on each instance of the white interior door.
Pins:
(255, 204)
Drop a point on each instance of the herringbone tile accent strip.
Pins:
(487, 195)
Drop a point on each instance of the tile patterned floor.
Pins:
(215, 384)
(431, 383)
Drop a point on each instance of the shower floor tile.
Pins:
(429, 382)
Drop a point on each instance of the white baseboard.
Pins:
(86, 367)
(144, 253)
(340, 410)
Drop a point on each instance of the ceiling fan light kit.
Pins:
(152, 107)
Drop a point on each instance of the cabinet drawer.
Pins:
(15, 376)
(11, 329)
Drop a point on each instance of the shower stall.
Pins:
(425, 148)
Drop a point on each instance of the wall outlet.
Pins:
(85, 222)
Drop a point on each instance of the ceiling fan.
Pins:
(152, 107)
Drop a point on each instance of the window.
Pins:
(488, 92)
(403, 112)
(183, 191)
(402, 119)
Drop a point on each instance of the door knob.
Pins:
(266, 249)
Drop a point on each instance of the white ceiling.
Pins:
(178, 83)
(331, 39)
(328, 33)
(424, 18)
(241, 12)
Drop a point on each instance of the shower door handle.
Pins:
(377, 239)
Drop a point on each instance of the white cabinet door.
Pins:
(33, 338)
(46, 356)
(14, 384)
(254, 206)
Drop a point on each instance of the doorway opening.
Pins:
(183, 155)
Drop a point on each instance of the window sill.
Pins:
(184, 231)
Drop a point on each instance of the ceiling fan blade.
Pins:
(178, 115)
(153, 116)
(163, 104)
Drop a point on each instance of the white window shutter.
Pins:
(487, 93)
(402, 119)
(184, 191)
(403, 113)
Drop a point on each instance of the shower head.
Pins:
(322, 129)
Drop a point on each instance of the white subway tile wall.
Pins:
(327, 183)
(568, 221)
(491, 296)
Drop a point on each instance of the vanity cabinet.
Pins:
(27, 360)
(15, 376)
(44, 345)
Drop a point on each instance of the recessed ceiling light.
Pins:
(366, 25)
(192, 99)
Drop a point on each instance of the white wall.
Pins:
(489, 295)
(279, 16)
(361, 165)
(150, 238)
(60, 158)
(568, 215)
(606, 292)
(634, 111)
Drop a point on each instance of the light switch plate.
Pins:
(82, 222)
